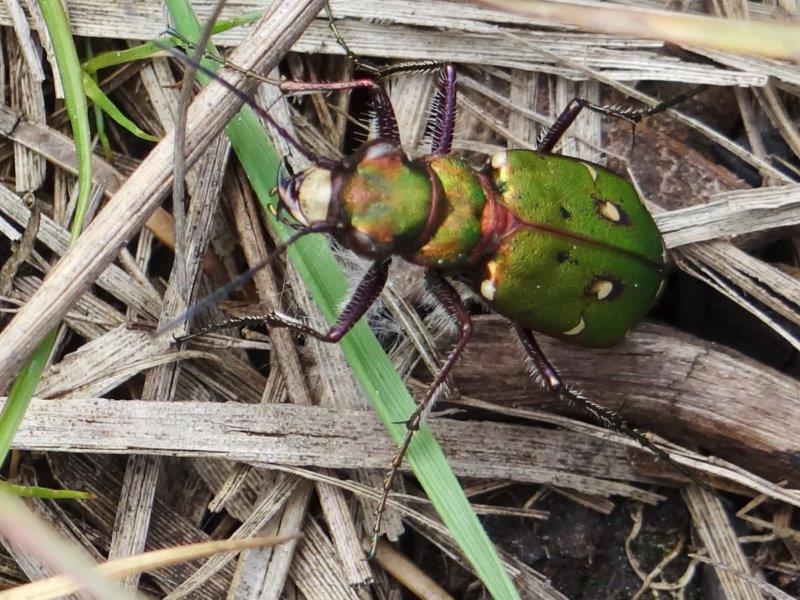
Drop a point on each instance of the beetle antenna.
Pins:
(313, 158)
(227, 289)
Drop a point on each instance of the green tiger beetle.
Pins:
(556, 245)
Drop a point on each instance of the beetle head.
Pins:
(306, 195)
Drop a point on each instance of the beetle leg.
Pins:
(444, 112)
(384, 112)
(367, 292)
(447, 295)
(359, 63)
(550, 138)
(600, 414)
(373, 70)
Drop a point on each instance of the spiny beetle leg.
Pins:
(448, 297)
(384, 112)
(359, 63)
(367, 292)
(373, 70)
(600, 414)
(445, 112)
(550, 138)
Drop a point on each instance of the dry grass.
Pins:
(287, 444)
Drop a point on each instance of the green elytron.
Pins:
(583, 260)
(557, 245)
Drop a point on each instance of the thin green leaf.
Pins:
(35, 491)
(147, 50)
(100, 99)
(312, 258)
(112, 58)
(21, 392)
(99, 120)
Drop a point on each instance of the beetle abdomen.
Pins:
(583, 259)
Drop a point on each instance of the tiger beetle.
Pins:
(557, 245)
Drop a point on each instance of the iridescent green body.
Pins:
(556, 245)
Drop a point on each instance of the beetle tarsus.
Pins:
(547, 140)
(367, 292)
(600, 414)
(448, 297)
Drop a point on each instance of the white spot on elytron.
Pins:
(592, 171)
(602, 288)
(488, 289)
(609, 211)
(314, 195)
(499, 160)
(577, 329)
(489, 285)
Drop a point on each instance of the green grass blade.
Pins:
(21, 392)
(320, 272)
(112, 58)
(72, 81)
(35, 491)
(146, 50)
(75, 100)
(99, 98)
(99, 120)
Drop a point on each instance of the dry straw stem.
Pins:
(771, 40)
(719, 538)
(407, 573)
(59, 150)
(38, 542)
(136, 200)
(316, 436)
(62, 585)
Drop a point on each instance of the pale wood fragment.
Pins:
(132, 523)
(523, 92)
(136, 500)
(690, 390)
(279, 561)
(27, 97)
(266, 509)
(316, 571)
(28, 47)
(716, 531)
(55, 237)
(317, 436)
(731, 213)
